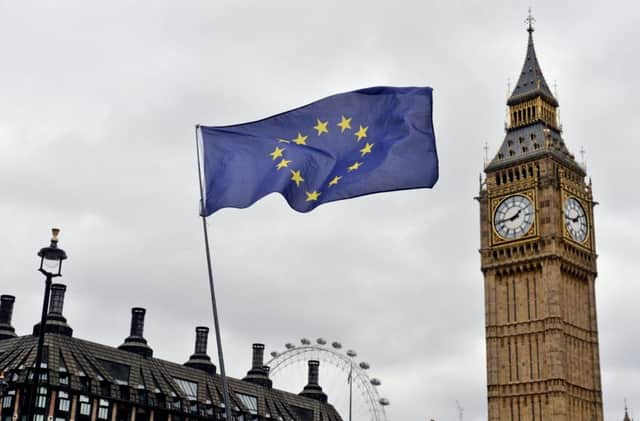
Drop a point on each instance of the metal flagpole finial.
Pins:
(530, 21)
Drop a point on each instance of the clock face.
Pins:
(513, 217)
(575, 219)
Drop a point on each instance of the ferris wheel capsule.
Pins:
(274, 354)
(336, 345)
(384, 401)
(364, 365)
(305, 341)
(376, 382)
(321, 341)
(289, 345)
(351, 353)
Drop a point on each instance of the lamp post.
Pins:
(51, 258)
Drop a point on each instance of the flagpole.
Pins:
(214, 306)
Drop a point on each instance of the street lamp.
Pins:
(51, 258)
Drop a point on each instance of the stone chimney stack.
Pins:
(136, 342)
(56, 322)
(312, 389)
(259, 373)
(137, 322)
(257, 358)
(6, 314)
(200, 359)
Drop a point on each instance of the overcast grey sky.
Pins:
(98, 104)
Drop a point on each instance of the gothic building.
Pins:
(85, 381)
(538, 259)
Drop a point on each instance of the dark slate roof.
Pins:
(520, 144)
(80, 358)
(531, 82)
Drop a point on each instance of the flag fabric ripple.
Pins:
(343, 146)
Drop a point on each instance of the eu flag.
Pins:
(346, 145)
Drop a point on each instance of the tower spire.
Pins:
(531, 81)
(533, 125)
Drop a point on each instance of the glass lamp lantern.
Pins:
(51, 257)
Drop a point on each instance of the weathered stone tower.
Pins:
(539, 264)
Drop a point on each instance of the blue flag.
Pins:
(343, 146)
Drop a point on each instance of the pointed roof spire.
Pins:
(531, 81)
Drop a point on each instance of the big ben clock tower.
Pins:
(539, 265)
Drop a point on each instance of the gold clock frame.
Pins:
(494, 202)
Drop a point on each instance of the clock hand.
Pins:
(512, 218)
(516, 215)
(572, 219)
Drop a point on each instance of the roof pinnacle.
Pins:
(626, 411)
(530, 20)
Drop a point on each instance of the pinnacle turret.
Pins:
(626, 412)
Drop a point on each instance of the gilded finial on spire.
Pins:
(530, 20)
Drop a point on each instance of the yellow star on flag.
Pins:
(321, 127)
(366, 149)
(344, 124)
(313, 196)
(361, 133)
(300, 140)
(296, 177)
(335, 180)
(355, 166)
(277, 153)
(283, 163)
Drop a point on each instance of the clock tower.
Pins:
(538, 259)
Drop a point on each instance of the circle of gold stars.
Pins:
(321, 127)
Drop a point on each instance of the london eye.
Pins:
(343, 378)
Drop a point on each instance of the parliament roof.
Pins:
(88, 363)
(130, 374)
